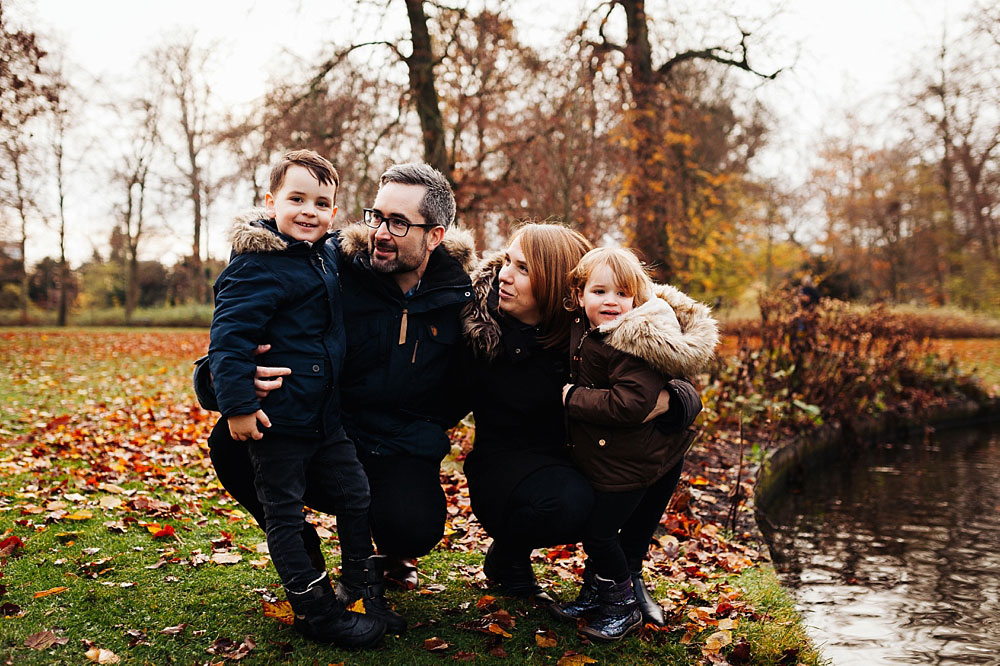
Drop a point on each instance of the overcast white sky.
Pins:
(849, 53)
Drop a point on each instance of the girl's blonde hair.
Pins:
(551, 251)
(630, 275)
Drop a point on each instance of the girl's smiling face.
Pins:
(602, 299)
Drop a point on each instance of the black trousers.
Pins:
(622, 525)
(283, 468)
(407, 511)
(554, 505)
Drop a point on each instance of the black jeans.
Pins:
(408, 508)
(283, 468)
(554, 506)
(622, 525)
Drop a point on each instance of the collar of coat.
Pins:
(458, 244)
(248, 234)
(479, 323)
(671, 331)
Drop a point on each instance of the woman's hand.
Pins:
(267, 378)
(244, 426)
(661, 407)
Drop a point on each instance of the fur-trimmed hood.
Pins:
(248, 233)
(458, 243)
(671, 331)
(480, 327)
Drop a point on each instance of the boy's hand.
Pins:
(244, 426)
(267, 378)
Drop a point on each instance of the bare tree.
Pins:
(132, 178)
(25, 94)
(181, 65)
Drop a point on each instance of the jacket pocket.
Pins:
(302, 394)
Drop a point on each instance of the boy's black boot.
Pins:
(618, 614)
(321, 617)
(515, 577)
(586, 601)
(363, 579)
(651, 611)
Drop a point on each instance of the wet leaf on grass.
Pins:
(10, 545)
(45, 593)
(173, 631)
(102, 656)
(280, 611)
(226, 558)
(228, 649)
(545, 638)
(44, 639)
(435, 644)
(571, 658)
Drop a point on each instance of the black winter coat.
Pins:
(515, 385)
(287, 293)
(401, 387)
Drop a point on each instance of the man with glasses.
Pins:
(405, 279)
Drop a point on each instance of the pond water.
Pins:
(894, 555)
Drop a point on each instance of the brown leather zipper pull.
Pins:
(402, 329)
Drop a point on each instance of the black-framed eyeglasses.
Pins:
(396, 226)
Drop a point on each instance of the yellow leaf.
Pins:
(727, 624)
(80, 515)
(102, 656)
(497, 629)
(545, 640)
(718, 640)
(280, 611)
(358, 606)
(575, 660)
(45, 593)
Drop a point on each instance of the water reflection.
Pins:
(894, 555)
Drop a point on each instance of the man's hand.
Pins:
(661, 407)
(267, 378)
(244, 426)
(566, 389)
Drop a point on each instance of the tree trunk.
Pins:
(648, 214)
(422, 86)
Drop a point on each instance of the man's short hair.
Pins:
(438, 204)
(320, 167)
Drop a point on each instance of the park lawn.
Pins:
(979, 356)
(117, 542)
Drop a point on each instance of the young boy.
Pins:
(282, 287)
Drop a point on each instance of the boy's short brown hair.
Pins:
(320, 167)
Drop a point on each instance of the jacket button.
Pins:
(315, 368)
(468, 293)
(517, 351)
(601, 442)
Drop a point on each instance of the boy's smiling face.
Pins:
(302, 207)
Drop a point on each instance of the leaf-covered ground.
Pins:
(118, 544)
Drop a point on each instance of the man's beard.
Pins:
(400, 263)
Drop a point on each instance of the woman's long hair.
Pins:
(551, 252)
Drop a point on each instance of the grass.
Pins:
(173, 316)
(102, 448)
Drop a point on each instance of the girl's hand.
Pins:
(244, 426)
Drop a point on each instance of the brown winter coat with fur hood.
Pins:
(618, 370)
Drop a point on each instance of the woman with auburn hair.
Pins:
(523, 486)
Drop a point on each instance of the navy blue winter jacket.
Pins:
(402, 386)
(287, 293)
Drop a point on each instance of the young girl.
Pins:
(630, 340)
